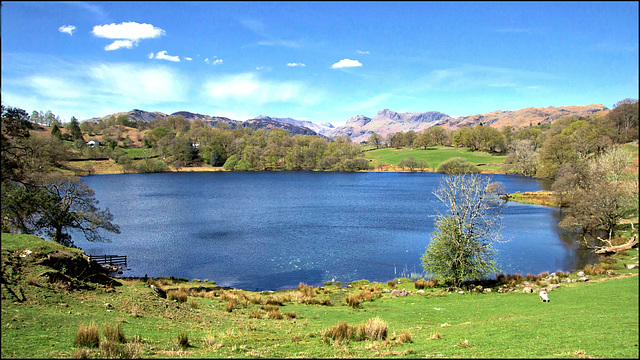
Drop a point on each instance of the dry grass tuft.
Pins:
(420, 284)
(391, 284)
(275, 314)
(435, 336)
(87, 336)
(183, 340)
(179, 295)
(80, 354)
(342, 331)
(374, 329)
(114, 333)
(596, 269)
(255, 314)
(404, 338)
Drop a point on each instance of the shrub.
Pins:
(531, 277)
(391, 284)
(306, 290)
(290, 314)
(420, 284)
(193, 304)
(374, 329)
(353, 300)
(543, 275)
(338, 284)
(112, 350)
(457, 165)
(268, 308)
(114, 333)
(231, 304)
(87, 336)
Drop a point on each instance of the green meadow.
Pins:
(51, 318)
(434, 156)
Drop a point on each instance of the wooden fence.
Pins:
(115, 260)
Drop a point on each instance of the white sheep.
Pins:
(543, 296)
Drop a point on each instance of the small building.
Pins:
(93, 143)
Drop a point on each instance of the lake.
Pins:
(273, 230)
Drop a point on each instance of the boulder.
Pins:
(632, 266)
(580, 273)
(486, 291)
(527, 290)
(583, 279)
(402, 292)
(478, 289)
(553, 286)
(420, 292)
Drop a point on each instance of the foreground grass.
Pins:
(434, 156)
(598, 318)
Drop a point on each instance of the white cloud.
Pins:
(150, 56)
(346, 63)
(296, 64)
(120, 44)
(249, 88)
(362, 52)
(213, 61)
(162, 55)
(67, 29)
(127, 30)
(188, 58)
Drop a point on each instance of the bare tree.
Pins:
(522, 158)
(461, 247)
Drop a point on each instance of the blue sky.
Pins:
(316, 61)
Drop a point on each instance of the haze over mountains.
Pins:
(360, 127)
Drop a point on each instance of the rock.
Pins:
(420, 292)
(107, 304)
(461, 292)
(566, 280)
(402, 292)
(486, 291)
(478, 288)
(553, 275)
(632, 266)
(64, 304)
(527, 290)
(384, 290)
(611, 272)
(583, 279)
(527, 283)
(553, 286)
(580, 273)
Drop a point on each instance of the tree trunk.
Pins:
(633, 242)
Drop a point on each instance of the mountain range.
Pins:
(360, 127)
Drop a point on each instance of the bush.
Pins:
(87, 336)
(179, 295)
(391, 284)
(457, 165)
(274, 314)
(420, 284)
(353, 300)
(404, 338)
(594, 270)
(256, 314)
(342, 331)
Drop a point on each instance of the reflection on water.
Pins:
(269, 231)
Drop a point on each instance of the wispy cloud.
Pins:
(614, 47)
(259, 28)
(129, 33)
(188, 58)
(362, 52)
(514, 30)
(68, 29)
(162, 55)
(251, 89)
(120, 44)
(345, 63)
(296, 64)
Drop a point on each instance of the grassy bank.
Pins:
(434, 156)
(583, 319)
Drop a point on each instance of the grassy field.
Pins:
(434, 156)
(598, 318)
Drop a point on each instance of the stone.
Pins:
(527, 290)
(384, 290)
(566, 280)
(553, 286)
(611, 272)
(478, 288)
(527, 283)
(632, 266)
(486, 291)
(420, 292)
(583, 279)
(580, 273)
(402, 292)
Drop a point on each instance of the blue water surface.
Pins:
(273, 230)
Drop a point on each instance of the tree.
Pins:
(457, 165)
(522, 158)
(55, 131)
(375, 139)
(54, 204)
(596, 198)
(461, 247)
(14, 147)
(625, 117)
(74, 129)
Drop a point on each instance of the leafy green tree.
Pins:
(15, 149)
(557, 150)
(55, 131)
(74, 129)
(231, 163)
(461, 247)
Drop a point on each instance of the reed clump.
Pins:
(87, 336)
